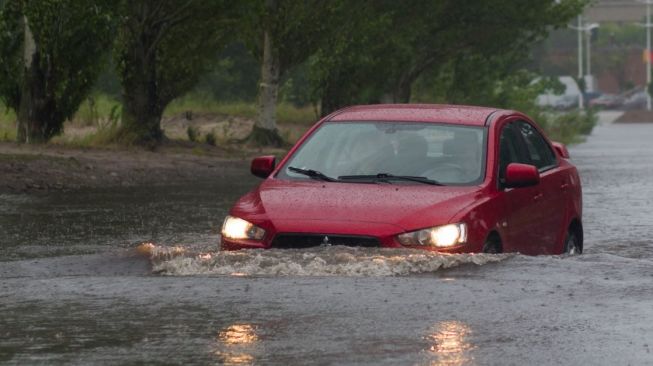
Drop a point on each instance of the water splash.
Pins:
(328, 261)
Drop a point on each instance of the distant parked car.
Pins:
(567, 100)
(607, 101)
(635, 99)
(436, 177)
(590, 96)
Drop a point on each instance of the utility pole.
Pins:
(580, 60)
(586, 77)
(579, 27)
(648, 26)
(588, 28)
(580, 46)
(588, 38)
(648, 54)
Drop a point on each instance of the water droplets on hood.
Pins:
(322, 261)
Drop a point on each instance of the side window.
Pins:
(538, 149)
(508, 150)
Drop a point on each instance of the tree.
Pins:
(403, 40)
(162, 47)
(50, 55)
(351, 65)
(282, 34)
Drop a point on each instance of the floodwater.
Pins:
(75, 287)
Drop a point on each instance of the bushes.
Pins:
(210, 139)
(192, 133)
(568, 127)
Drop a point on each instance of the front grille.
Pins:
(293, 241)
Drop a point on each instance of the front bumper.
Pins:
(281, 233)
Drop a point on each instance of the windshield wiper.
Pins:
(313, 174)
(389, 177)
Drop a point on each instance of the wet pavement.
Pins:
(73, 289)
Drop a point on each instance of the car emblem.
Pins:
(325, 242)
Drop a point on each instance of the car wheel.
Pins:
(491, 246)
(572, 244)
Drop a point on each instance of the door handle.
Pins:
(538, 196)
(564, 186)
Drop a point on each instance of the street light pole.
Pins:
(588, 39)
(648, 54)
(580, 58)
(648, 26)
(587, 78)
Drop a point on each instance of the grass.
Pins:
(97, 121)
(286, 113)
(7, 124)
(96, 109)
(104, 135)
(99, 113)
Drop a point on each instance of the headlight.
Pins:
(439, 236)
(235, 228)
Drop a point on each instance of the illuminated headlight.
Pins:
(439, 236)
(235, 228)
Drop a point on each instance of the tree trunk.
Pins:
(142, 107)
(403, 90)
(330, 102)
(34, 117)
(265, 132)
(334, 96)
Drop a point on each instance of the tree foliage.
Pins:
(50, 57)
(388, 45)
(342, 51)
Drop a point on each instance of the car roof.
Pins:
(436, 113)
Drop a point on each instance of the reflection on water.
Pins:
(449, 343)
(238, 334)
(235, 359)
(235, 343)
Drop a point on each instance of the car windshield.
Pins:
(443, 153)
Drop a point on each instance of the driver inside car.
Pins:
(370, 154)
(411, 156)
(462, 155)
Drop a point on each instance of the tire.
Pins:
(491, 246)
(572, 243)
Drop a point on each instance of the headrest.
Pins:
(412, 144)
(462, 142)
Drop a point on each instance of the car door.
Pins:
(523, 213)
(551, 201)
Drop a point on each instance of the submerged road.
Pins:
(112, 307)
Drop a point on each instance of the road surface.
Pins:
(73, 291)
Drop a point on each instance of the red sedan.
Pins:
(445, 178)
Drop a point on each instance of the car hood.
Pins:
(406, 206)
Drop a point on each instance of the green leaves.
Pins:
(161, 49)
(388, 45)
(69, 39)
(351, 51)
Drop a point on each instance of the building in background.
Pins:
(617, 11)
(617, 48)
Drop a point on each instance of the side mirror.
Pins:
(561, 149)
(263, 166)
(521, 175)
